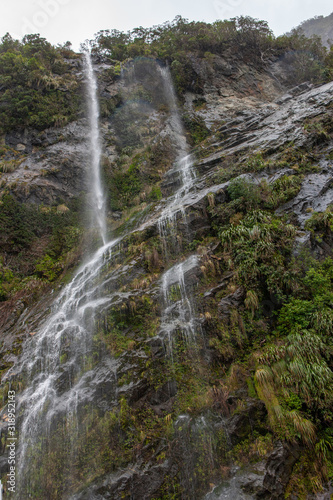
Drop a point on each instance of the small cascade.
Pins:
(197, 448)
(183, 168)
(97, 194)
(178, 314)
(175, 121)
(228, 490)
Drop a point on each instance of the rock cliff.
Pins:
(207, 373)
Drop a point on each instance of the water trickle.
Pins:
(184, 163)
(178, 314)
(228, 490)
(182, 171)
(176, 123)
(97, 194)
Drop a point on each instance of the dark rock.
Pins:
(220, 286)
(157, 347)
(279, 467)
(242, 424)
(232, 301)
(135, 390)
(164, 393)
(133, 484)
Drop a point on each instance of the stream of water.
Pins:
(178, 315)
(97, 193)
(55, 362)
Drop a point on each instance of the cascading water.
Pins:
(97, 195)
(179, 310)
(178, 315)
(184, 164)
(229, 490)
(60, 381)
(54, 362)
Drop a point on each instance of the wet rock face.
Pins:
(316, 195)
(228, 87)
(278, 469)
(268, 479)
(53, 168)
(232, 301)
(242, 423)
(130, 485)
(274, 127)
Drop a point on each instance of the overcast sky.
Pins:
(77, 20)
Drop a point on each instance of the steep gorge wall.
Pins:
(163, 429)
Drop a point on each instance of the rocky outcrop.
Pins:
(315, 195)
(278, 469)
(268, 479)
(53, 166)
(229, 88)
(273, 129)
(242, 423)
(132, 484)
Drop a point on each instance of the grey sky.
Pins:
(76, 20)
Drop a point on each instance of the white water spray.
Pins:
(184, 162)
(54, 360)
(98, 199)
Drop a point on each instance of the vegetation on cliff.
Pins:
(37, 86)
(181, 41)
(260, 369)
(321, 26)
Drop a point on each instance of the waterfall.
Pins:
(184, 163)
(98, 199)
(55, 362)
(178, 315)
(176, 123)
(61, 385)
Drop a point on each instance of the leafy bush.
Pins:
(38, 88)
(294, 376)
(260, 246)
(23, 227)
(247, 192)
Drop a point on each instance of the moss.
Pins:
(137, 179)
(306, 478)
(196, 128)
